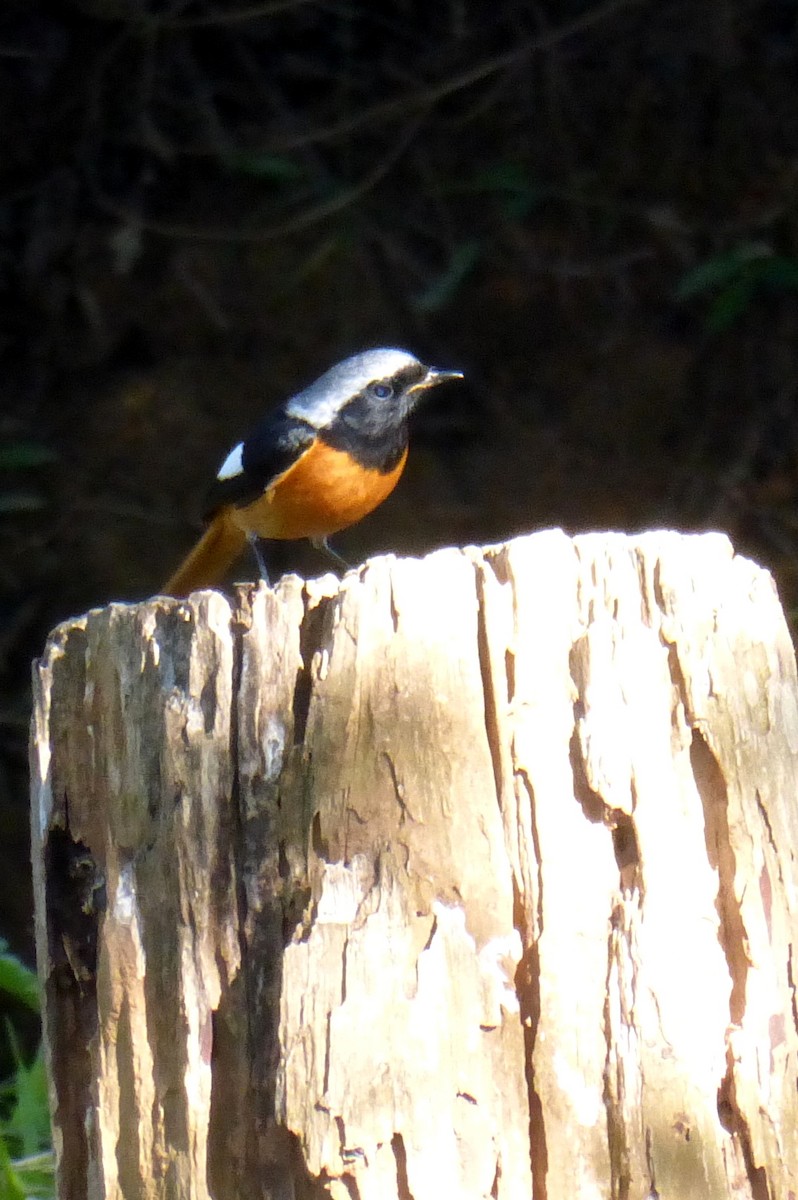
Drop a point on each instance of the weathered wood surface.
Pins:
(469, 877)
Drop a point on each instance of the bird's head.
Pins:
(374, 390)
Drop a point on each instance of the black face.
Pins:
(372, 426)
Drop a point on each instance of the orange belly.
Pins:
(323, 491)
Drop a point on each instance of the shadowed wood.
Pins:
(467, 877)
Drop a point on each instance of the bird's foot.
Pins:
(323, 544)
(254, 544)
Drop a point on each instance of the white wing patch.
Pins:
(234, 464)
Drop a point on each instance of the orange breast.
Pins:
(323, 491)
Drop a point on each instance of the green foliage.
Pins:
(733, 280)
(26, 1160)
(514, 191)
(15, 456)
(27, 1178)
(274, 167)
(26, 1131)
(442, 290)
(16, 502)
(21, 456)
(17, 981)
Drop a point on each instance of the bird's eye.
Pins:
(383, 391)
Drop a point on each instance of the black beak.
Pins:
(434, 375)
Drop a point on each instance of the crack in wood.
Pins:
(626, 847)
(490, 686)
(792, 983)
(393, 607)
(400, 1155)
(620, 1140)
(528, 991)
(732, 1118)
(711, 787)
(71, 1015)
(310, 643)
(398, 789)
(653, 1194)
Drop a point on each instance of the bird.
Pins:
(318, 463)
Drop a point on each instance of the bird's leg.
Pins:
(323, 544)
(254, 544)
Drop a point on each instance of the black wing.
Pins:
(268, 451)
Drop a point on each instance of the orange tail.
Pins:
(219, 546)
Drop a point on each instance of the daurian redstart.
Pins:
(318, 463)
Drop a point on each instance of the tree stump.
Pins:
(471, 877)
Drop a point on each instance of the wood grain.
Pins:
(471, 876)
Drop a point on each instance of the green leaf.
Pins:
(17, 980)
(505, 176)
(36, 1175)
(508, 179)
(779, 272)
(517, 205)
(721, 269)
(265, 166)
(730, 304)
(17, 502)
(28, 1127)
(11, 1187)
(439, 293)
(17, 456)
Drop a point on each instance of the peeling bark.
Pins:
(471, 877)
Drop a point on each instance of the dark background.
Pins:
(590, 208)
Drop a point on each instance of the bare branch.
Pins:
(302, 220)
(427, 97)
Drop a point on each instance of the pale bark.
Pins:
(467, 877)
